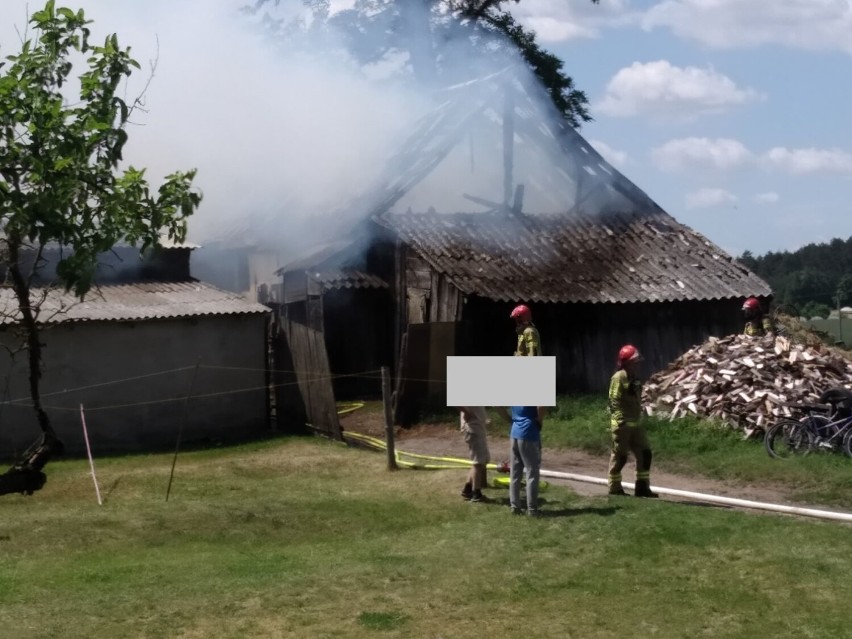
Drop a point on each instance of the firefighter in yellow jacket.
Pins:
(628, 436)
(529, 341)
(758, 323)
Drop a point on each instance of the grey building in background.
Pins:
(131, 354)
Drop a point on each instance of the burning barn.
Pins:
(598, 260)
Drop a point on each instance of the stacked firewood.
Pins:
(745, 381)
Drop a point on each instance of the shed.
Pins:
(143, 359)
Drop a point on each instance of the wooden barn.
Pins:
(599, 262)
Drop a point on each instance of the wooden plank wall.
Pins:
(445, 303)
(585, 338)
(306, 348)
(430, 296)
(290, 412)
(418, 288)
(424, 369)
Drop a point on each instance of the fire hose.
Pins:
(440, 463)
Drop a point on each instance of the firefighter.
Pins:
(529, 341)
(625, 408)
(758, 323)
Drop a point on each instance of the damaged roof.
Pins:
(329, 265)
(566, 226)
(575, 258)
(335, 279)
(131, 302)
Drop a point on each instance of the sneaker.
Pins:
(517, 511)
(534, 513)
(477, 496)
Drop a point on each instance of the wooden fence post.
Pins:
(386, 400)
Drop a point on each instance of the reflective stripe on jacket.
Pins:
(529, 342)
(625, 399)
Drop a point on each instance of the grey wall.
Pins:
(101, 353)
(832, 326)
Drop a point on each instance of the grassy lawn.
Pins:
(305, 538)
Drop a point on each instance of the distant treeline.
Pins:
(814, 279)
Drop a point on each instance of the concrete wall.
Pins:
(832, 326)
(142, 414)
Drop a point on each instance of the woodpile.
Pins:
(745, 381)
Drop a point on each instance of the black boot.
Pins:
(616, 489)
(643, 489)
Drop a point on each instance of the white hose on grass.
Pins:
(713, 499)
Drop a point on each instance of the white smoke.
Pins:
(281, 136)
(274, 136)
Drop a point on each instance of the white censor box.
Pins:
(501, 381)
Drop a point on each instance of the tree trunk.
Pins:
(25, 475)
(416, 16)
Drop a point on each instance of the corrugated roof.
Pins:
(333, 279)
(335, 265)
(575, 257)
(318, 255)
(132, 302)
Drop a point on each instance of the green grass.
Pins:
(706, 448)
(304, 538)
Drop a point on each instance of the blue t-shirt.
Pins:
(525, 423)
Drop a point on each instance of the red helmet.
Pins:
(751, 304)
(522, 312)
(628, 353)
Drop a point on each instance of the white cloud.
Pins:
(560, 21)
(662, 89)
(709, 197)
(770, 197)
(611, 155)
(804, 161)
(724, 153)
(551, 29)
(806, 24)
(719, 153)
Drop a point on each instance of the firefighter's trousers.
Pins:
(629, 438)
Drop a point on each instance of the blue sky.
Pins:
(732, 114)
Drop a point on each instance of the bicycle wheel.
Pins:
(847, 443)
(824, 433)
(788, 438)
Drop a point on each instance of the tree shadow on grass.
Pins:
(601, 511)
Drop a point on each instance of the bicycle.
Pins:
(825, 427)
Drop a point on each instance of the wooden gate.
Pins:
(303, 380)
